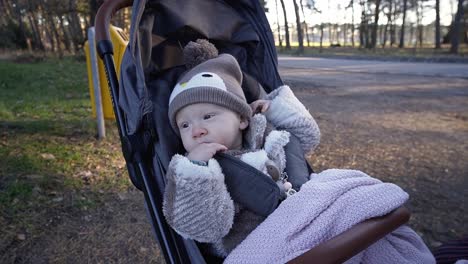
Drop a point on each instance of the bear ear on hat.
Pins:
(195, 53)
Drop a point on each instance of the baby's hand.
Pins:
(205, 151)
(260, 106)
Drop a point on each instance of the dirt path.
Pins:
(407, 129)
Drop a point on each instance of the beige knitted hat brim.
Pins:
(208, 95)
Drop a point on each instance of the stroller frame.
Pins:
(174, 248)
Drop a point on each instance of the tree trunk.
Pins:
(392, 34)
(50, 38)
(19, 19)
(300, 39)
(384, 41)
(278, 23)
(312, 37)
(33, 10)
(412, 35)
(43, 27)
(376, 24)
(389, 23)
(321, 37)
(419, 14)
(402, 31)
(286, 27)
(345, 29)
(393, 27)
(362, 26)
(455, 38)
(6, 8)
(361, 35)
(66, 39)
(352, 25)
(55, 35)
(35, 32)
(337, 35)
(77, 33)
(380, 32)
(437, 25)
(305, 24)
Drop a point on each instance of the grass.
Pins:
(64, 195)
(50, 157)
(425, 52)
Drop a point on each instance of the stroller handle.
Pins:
(104, 15)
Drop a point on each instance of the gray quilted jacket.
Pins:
(196, 202)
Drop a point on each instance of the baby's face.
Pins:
(209, 123)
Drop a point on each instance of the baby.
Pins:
(209, 111)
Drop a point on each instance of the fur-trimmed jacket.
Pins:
(197, 204)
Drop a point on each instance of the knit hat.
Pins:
(216, 81)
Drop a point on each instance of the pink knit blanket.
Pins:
(330, 203)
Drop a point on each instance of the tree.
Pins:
(363, 26)
(437, 25)
(32, 9)
(389, 15)
(321, 37)
(419, 13)
(455, 36)
(402, 31)
(300, 39)
(393, 24)
(311, 5)
(305, 24)
(376, 24)
(13, 28)
(278, 23)
(286, 26)
(351, 5)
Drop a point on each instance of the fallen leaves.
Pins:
(86, 176)
(47, 156)
(21, 237)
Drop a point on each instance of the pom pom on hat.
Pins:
(198, 52)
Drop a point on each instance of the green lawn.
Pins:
(48, 146)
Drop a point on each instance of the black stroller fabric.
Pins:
(152, 65)
(160, 28)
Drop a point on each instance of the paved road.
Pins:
(368, 66)
(401, 122)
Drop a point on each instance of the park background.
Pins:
(59, 27)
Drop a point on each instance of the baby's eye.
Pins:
(208, 116)
(183, 125)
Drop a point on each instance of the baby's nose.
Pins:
(198, 131)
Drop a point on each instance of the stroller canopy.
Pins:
(161, 28)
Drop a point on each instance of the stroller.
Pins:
(151, 66)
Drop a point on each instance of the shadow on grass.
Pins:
(20, 163)
(69, 128)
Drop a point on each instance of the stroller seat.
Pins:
(150, 68)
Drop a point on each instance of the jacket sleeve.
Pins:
(288, 113)
(196, 202)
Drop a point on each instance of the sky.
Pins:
(330, 12)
